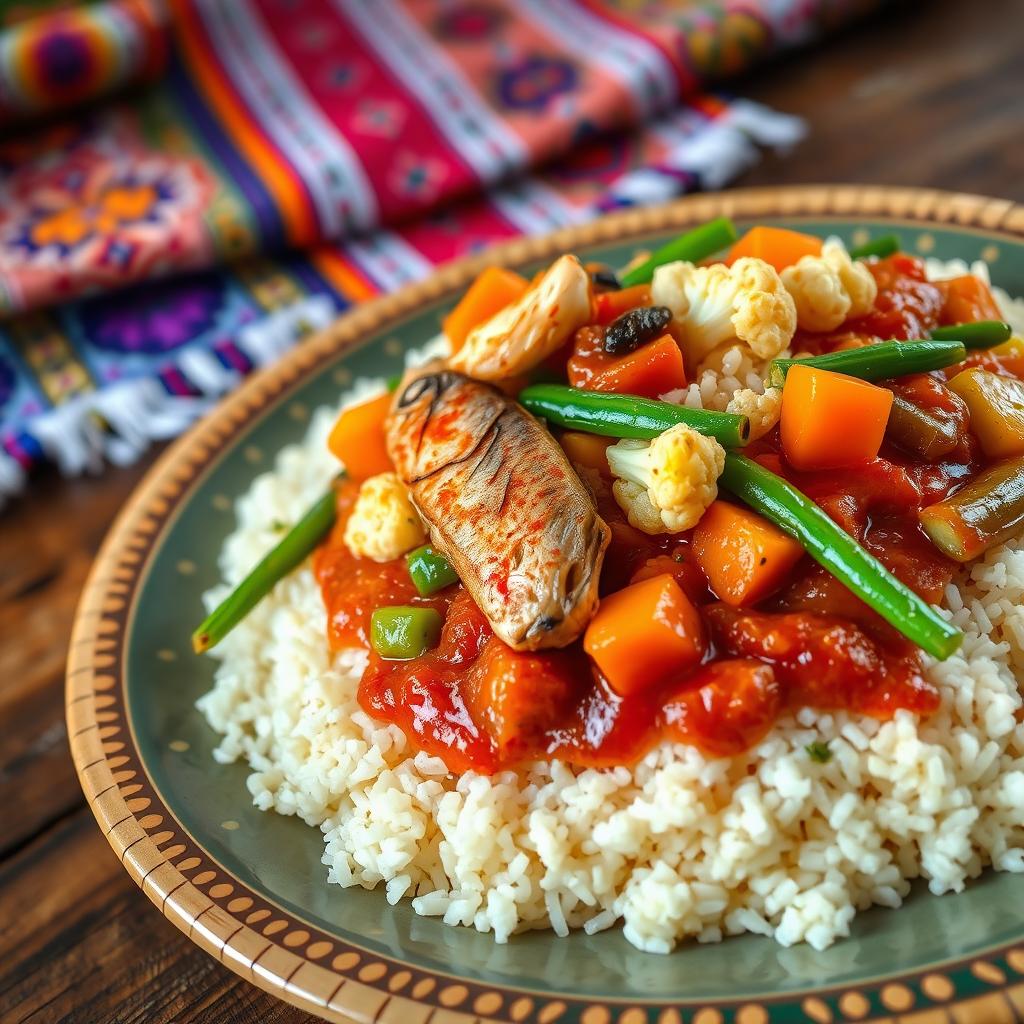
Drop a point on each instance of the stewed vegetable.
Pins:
(884, 245)
(879, 362)
(980, 334)
(430, 571)
(984, 513)
(293, 547)
(694, 246)
(405, 631)
(996, 404)
(832, 547)
(918, 432)
(628, 416)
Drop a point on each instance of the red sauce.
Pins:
(479, 705)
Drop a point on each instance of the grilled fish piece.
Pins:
(503, 505)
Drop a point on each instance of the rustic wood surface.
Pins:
(923, 95)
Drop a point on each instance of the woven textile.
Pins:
(141, 272)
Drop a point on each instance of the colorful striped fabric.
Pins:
(377, 137)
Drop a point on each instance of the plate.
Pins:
(249, 887)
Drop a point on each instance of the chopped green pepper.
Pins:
(430, 571)
(401, 632)
(818, 751)
(918, 432)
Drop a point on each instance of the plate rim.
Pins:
(321, 974)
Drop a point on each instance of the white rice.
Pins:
(679, 845)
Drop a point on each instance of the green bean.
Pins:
(979, 334)
(611, 415)
(985, 512)
(884, 245)
(878, 362)
(401, 632)
(832, 547)
(694, 246)
(429, 570)
(292, 549)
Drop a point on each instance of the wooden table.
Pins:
(928, 95)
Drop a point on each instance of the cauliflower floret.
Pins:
(716, 304)
(527, 331)
(763, 410)
(665, 485)
(384, 523)
(829, 288)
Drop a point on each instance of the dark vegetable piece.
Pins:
(915, 431)
(430, 571)
(694, 246)
(818, 751)
(614, 415)
(879, 362)
(293, 547)
(884, 245)
(401, 632)
(605, 279)
(634, 328)
(980, 334)
(989, 510)
(834, 549)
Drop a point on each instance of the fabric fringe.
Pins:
(118, 422)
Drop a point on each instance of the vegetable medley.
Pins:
(552, 549)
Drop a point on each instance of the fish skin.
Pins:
(503, 505)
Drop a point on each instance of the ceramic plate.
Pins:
(249, 887)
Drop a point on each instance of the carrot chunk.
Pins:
(830, 420)
(644, 633)
(743, 556)
(649, 371)
(778, 246)
(491, 292)
(967, 299)
(609, 306)
(588, 450)
(357, 438)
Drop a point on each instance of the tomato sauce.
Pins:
(481, 706)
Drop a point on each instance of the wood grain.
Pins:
(913, 96)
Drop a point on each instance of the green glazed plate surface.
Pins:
(250, 887)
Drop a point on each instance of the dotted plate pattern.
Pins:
(317, 971)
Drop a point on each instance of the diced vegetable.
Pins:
(357, 438)
(609, 306)
(401, 632)
(694, 246)
(743, 556)
(665, 485)
(980, 334)
(996, 404)
(918, 432)
(884, 245)
(586, 450)
(635, 328)
(967, 299)
(879, 362)
(292, 549)
(644, 633)
(832, 547)
(492, 291)
(985, 512)
(818, 751)
(429, 570)
(648, 371)
(778, 246)
(626, 416)
(830, 420)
